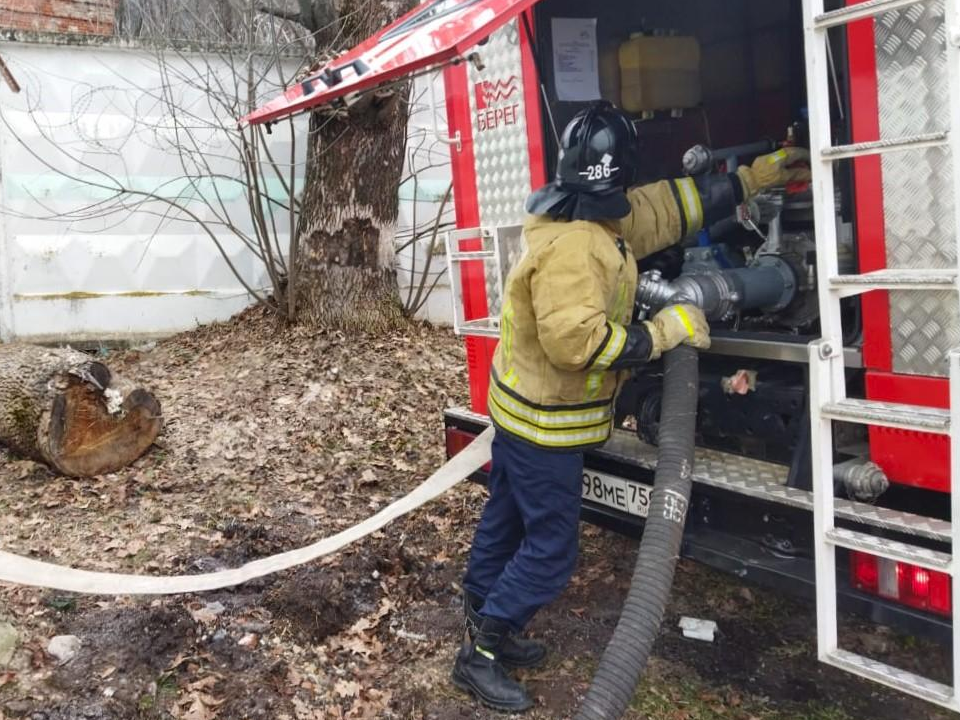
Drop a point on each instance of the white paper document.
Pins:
(575, 59)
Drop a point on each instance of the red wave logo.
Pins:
(490, 93)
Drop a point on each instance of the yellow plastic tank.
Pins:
(659, 73)
(609, 66)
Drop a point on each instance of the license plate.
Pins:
(618, 493)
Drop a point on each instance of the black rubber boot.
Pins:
(478, 670)
(516, 651)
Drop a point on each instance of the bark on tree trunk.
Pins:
(67, 410)
(345, 277)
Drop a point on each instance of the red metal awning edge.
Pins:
(389, 56)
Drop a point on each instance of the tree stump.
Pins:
(65, 409)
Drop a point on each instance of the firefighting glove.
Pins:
(774, 170)
(675, 325)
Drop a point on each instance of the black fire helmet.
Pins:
(599, 159)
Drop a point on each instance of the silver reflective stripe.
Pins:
(548, 418)
(550, 438)
(618, 337)
(594, 384)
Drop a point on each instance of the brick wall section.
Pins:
(83, 17)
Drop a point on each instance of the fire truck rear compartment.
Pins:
(754, 383)
(756, 277)
(761, 290)
(751, 512)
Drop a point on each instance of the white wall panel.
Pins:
(140, 274)
(89, 114)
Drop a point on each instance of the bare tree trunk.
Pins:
(348, 218)
(67, 410)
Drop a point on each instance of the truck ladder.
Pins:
(492, 254)
(827, 371)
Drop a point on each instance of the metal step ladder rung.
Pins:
(875, 516)
(885, 414)
(891, 549)
(483, 327)
(894, 279)
(467, 255)
(910, 142)
(890, 676)
(849, 14)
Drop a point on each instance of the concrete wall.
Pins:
(87, 118)
(151, 272)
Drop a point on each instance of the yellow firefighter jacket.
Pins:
(565, 307)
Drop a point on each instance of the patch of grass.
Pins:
(792, 649)
(673, 692)
(767, 608)
(62, 603)
(143, 556)
(909, 642)
(814, 711)
(167, 684)
(9, 689)
(668, 693)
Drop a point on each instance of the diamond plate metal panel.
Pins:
(917, 185)
(767, 481)
(501, 150)
(924, 328)
(759, 480)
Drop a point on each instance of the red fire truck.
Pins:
(825, 429)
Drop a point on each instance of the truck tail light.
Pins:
(908, 584)
(457, 440)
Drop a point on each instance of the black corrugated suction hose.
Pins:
(626, 655)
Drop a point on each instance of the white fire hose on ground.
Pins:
(24, 571)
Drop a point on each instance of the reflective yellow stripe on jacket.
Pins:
(610, 349)
(564, 427)
(691, 207)
(608, 352)
(506, 330)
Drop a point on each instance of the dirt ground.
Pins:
(275, 437)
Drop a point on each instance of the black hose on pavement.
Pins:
(626, 654)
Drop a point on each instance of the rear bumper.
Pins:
(740, 525)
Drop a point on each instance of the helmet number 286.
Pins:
(600, 171)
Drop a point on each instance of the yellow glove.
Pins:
(774, 170)
(678, 324)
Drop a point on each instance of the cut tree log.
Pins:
(66, 409)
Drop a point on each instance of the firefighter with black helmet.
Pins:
(566, 338)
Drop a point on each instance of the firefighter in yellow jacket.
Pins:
(566, 343)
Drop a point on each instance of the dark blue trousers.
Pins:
(525, 548)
